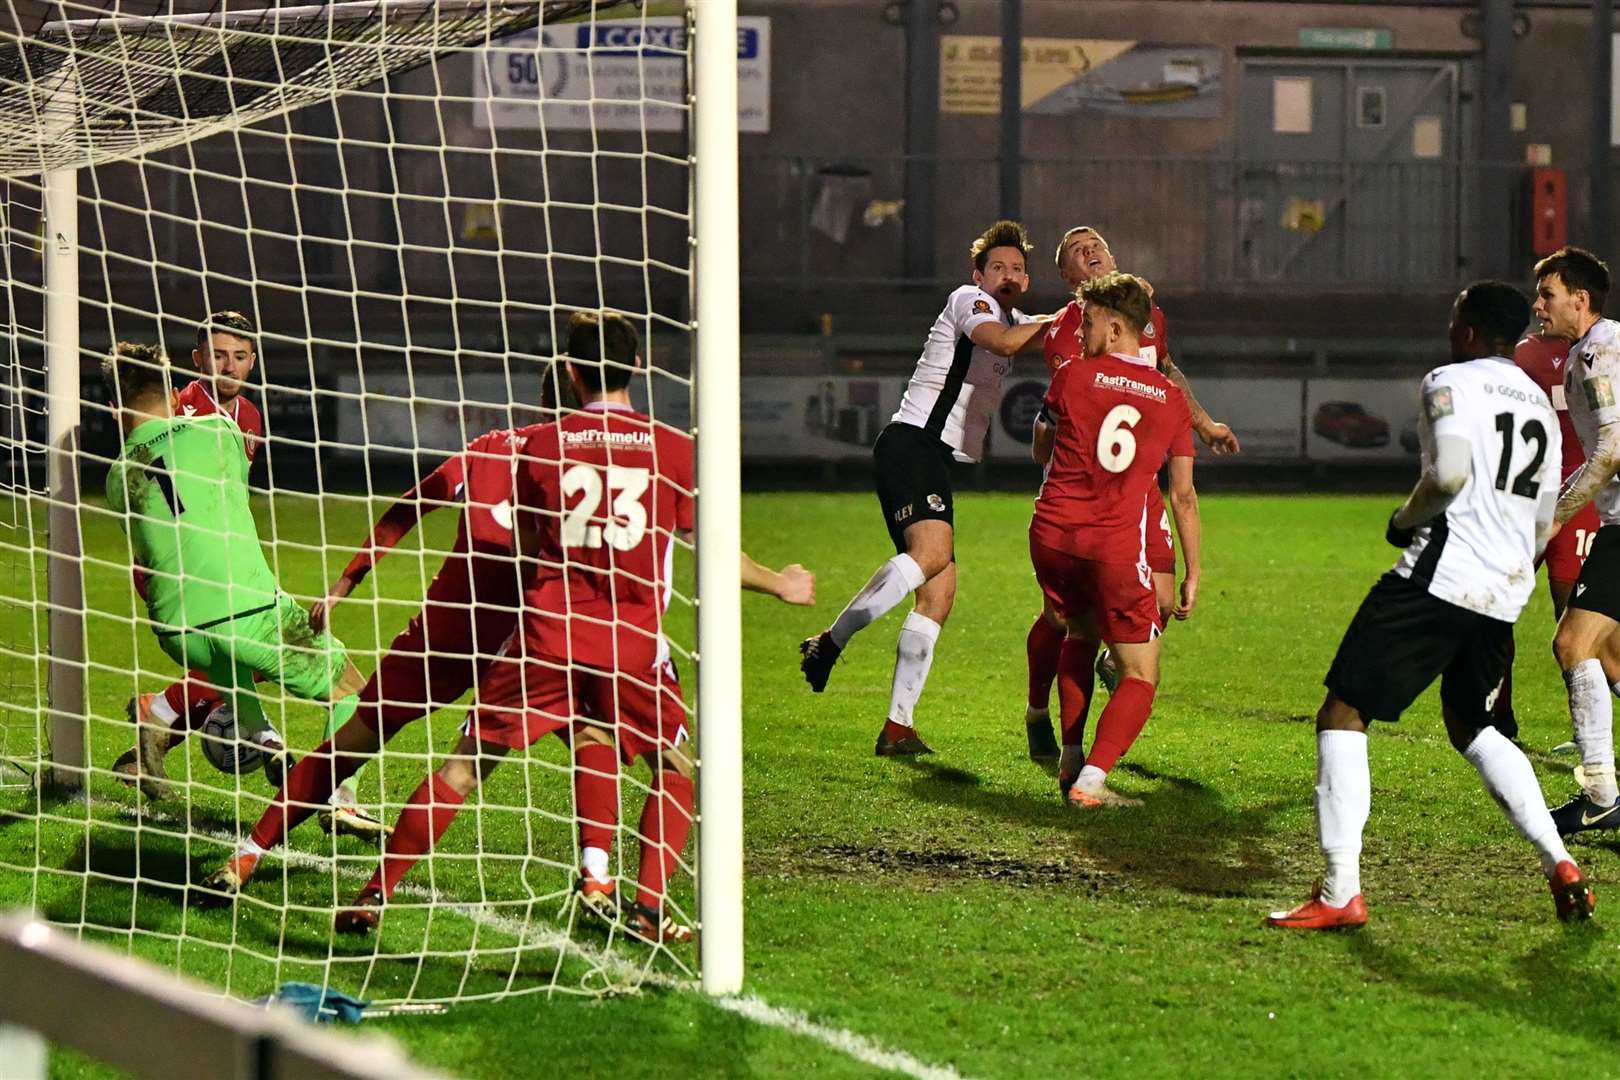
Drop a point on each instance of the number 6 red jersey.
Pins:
(606, 489)
(1116, 418)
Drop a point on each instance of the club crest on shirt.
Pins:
(1147, 331)
(1437, 403)
(981, 307)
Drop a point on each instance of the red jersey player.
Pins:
(468, 633)
(1083, 255)
(601, 496)
(467, 615)
(225, 355)
(1542, 357)
(1106, 425)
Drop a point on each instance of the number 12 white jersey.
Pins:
(1480, 554)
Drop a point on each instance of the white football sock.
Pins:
(1090, 779)
(1343, 801)
(345, 794)
(595, 861)
(1591, 715)
(162, 710)
(248, 847)
(1511, 780)
(913, 656)
(894, 581)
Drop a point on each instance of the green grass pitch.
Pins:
(950, 908)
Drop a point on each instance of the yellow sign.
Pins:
(970, 68)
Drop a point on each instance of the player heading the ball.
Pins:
(179, 488)
(1469, 533)
(1108, 421)
(1084, 255)
(944, 415)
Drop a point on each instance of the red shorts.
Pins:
(437, 658)
(1117, 597)
(1161, 546)
(522, 700)
(1566, 552)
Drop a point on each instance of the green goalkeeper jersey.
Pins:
(180, 488)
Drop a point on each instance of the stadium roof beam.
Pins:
(1496, 136)
(1012, 107)
(1602, 121)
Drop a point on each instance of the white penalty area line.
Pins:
(843, 1040)
(749, 1007)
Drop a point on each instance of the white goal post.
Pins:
(102, 89)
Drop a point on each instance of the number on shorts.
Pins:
(624, 487)
(1116, 443)
(1583, 542)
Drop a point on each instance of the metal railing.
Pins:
(1212, 223)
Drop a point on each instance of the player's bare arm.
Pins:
(1585, 482)
(1215, 435)
(1045, 438)
(1010, 340)
(793, 584)
(1189, 530)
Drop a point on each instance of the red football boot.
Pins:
(1315, 915)
(1572, 896)
(363, 917)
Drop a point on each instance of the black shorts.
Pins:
(1402, 639)
(1598, 587)
(913, 479)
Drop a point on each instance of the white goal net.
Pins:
(392, 210)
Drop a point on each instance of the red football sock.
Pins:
(666, 819)
(1077, 678)
(426, 815)
(1042, 647)
(1121, 722)
(192, 699)
(309, 785)
(596, 793)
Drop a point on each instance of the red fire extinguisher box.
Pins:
(1549, 210)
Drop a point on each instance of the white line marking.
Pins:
(856, 1046)
(751, 1007)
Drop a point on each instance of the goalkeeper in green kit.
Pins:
(180, 490)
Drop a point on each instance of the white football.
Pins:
(223, 747)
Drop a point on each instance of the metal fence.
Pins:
(1189, 223)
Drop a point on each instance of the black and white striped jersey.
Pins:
(1480, 553)
(957, 384)
(1591, 387)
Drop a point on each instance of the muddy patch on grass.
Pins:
(939, 867)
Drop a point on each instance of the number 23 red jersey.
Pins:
(606, 489)
(1116, 419)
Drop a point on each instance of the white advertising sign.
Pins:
(611, 75)
(445, 415)
(837, 418)
(1265, 413)
(1362, 419)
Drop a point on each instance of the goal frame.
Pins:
(716, 426)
